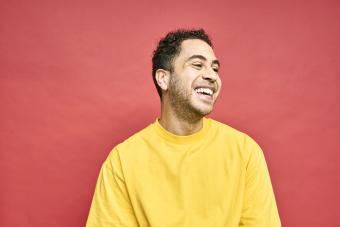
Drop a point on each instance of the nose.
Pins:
(210, 75)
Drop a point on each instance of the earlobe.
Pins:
(162, 78)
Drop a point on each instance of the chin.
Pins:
(203, 111)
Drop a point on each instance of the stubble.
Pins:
(180, 100)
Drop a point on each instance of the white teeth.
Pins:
(204, 91)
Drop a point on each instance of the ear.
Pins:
(162, 77)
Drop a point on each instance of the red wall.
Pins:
(75, 79)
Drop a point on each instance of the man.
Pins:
(185, 169)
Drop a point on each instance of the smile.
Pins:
(204, 91)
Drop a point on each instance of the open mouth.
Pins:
(204, 91)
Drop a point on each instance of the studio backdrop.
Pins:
(75, 80)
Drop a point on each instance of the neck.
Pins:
(179, 125)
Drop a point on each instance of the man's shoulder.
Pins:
(230, 132)
(226, 129)
(245, 143)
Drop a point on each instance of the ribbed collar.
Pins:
(196, 137)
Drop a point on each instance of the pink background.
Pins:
(75, 79)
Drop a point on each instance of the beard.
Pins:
(181, 101)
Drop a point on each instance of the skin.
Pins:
(182, 108)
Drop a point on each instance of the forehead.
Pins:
(192, 47)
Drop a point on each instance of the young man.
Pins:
(185, 169)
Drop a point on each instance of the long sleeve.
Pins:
(259, 208)
(111, 205)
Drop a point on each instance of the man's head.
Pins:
(185, 72)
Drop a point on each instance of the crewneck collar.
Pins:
(173, 138)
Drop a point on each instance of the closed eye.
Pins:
(197, 65)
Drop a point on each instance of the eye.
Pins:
(197, 65)
(216, 69)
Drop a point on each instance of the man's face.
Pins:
(194, 83)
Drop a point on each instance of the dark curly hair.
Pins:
(170, 46)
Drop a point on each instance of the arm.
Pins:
(111, 204)
(259, 208)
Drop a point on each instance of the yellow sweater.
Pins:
(216, 177)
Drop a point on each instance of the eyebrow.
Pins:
(203, 58)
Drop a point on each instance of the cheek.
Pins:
(219, 82)
(189, 80)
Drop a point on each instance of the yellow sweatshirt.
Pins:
(216, 177)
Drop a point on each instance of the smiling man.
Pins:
(185, 169)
